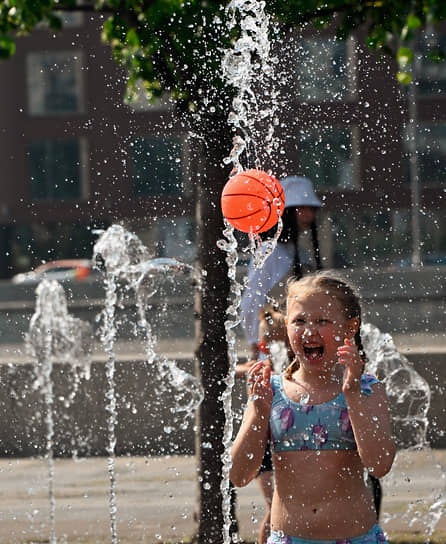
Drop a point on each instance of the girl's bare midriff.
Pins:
(314, 490)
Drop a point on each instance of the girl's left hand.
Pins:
(348, 355)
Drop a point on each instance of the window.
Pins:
(324, 69)
(55, 169)
(33, 243)
(157, 166)
(171, 237)
(384, 238)
(433, 237)
(69, 20)
(54, 82)
(430, 75)
(325, 156)
(431, 153)
(367, 238)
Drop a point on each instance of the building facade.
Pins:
(75, 157)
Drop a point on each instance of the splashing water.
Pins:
(189, 393)
(129, 269)
(108, 338)
(279, 355)
(55, 336)
(247, 64)
(407, 391)
(232, 311)
(409, 396)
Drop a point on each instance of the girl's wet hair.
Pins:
(328, 283)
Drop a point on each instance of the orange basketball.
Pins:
(250, 201)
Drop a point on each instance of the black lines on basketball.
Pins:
(261, 183)
(249, 198)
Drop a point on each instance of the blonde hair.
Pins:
(328, 283)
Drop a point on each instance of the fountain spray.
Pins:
(247, 63)
(55, 336)
(131, 272)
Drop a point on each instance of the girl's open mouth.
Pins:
(313, 353)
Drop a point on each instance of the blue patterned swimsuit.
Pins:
(374, 536)
(299, 426)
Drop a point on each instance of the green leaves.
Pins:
(413, 23)
(404, 78)
(157, 39)
(7, 47)
(404, 57)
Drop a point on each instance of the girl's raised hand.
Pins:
(348, 355)
(259, 385)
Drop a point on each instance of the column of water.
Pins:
(130, 271)
(248, 62)
(46, 369)
(54, 335)
(108, 337)
(117, 250)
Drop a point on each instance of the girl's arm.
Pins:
(250, 442)
(370, 419)
(369, 415)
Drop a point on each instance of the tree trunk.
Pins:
(211, 352)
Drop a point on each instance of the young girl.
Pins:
(327, 422)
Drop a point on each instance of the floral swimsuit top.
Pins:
(300, 426)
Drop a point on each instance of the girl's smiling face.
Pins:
(317, 326)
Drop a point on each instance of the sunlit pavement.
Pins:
(156, 499)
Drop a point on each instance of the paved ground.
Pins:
(156, 500)
(156, 496)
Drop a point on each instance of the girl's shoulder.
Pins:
(367, 380)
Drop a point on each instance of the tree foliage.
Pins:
(176, 45)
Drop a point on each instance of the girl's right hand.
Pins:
(260, 391)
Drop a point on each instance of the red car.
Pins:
(63, 270)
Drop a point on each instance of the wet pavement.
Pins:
(156, 496)
(156, 500)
